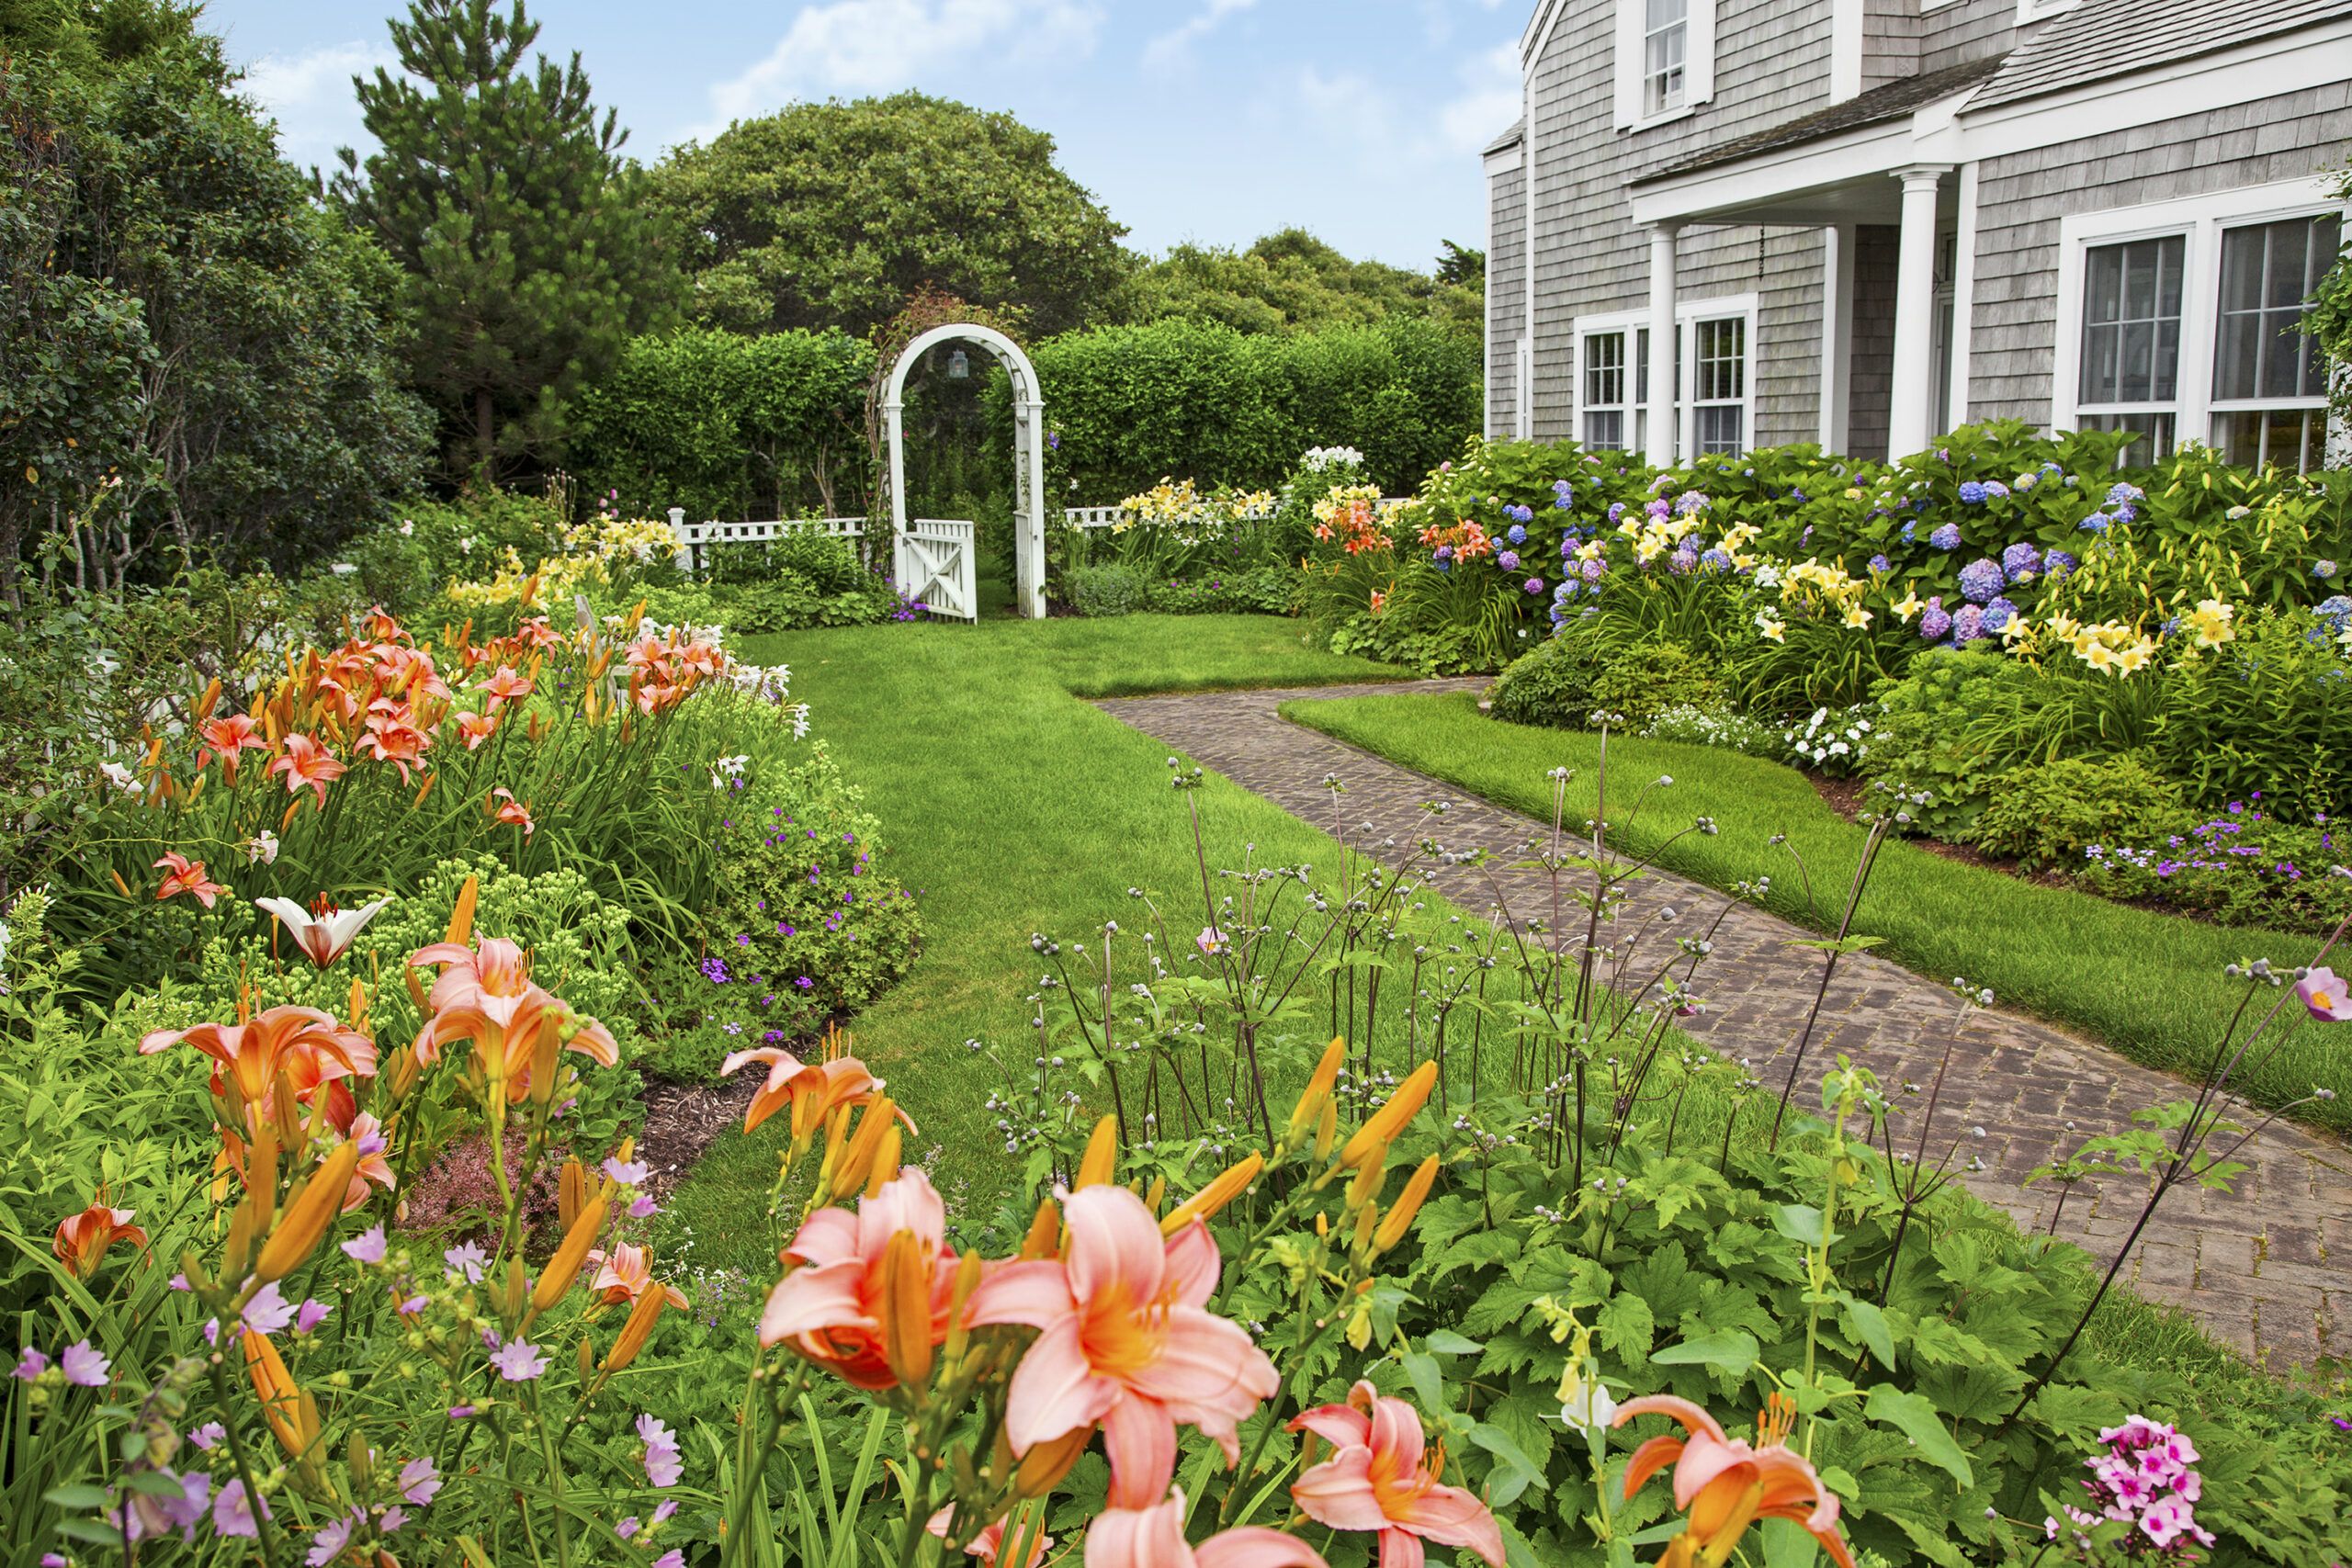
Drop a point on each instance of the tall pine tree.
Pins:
(528, 255)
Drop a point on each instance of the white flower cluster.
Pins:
(1317, 458)
(1732, 731)
(1834, 743)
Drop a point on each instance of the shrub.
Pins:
(2048, 814)
(1566, 680)
(1639, 682)
(1551, 685)
(1925, 741)
(2241, 865)
(1112, 588)
(1718, 725)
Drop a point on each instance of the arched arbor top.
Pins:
(918, 560)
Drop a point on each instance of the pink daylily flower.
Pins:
(832, 1306)
(1381, 1478)
(1126, 1339)
(1154, 1538)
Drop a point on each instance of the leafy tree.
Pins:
(1291, 282)
(527, 254)
(2330, 320)
(835, 214)
(181, 319)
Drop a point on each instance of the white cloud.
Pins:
(310, 95)
(851, 48)
(1490, 99)
(1170, 51)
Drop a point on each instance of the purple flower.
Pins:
(467, 1262)
(30, 1364)
(2057, 564)
(310, 1314)
(233, 1512)
(419, 1481)
(1971, 492)
(206, 1435)
(1506, 559)
(84, 1366)
(367, 1247)
(626, 1529)
(518, 1360)
(1997, 617)
(642, 1206)
(1933, 623)
(1535, 585)
(1516, 534)
(1967, 623)
(327, 1545)
(630, 1174)
(1981, 580)
(1881, 565)
(663, 1465)
(1946, 538)
(674, 1557)
(2020, 561)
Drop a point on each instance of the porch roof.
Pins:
(1893, 101)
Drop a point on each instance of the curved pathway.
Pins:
(2269, 1270)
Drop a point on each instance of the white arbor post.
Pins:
(1660, 445)
(1907, 415)
(1028, 459)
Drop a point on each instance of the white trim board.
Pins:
(1634, 322)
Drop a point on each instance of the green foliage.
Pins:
(832, 215)
(2268, 712)
(1111, 588)
(729, 427)
(1135, 404)
(527, 254)
(1929, 739)
(178, 317)
(2048, 814)
(1291, 282)
(1566, 680)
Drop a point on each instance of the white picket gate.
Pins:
(934, 563)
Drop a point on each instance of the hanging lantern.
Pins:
(959, 367)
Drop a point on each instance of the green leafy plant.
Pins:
(2048, 814)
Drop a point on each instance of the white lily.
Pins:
(327, 938)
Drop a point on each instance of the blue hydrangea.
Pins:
(1997, 617)
(1565, 592)
(1568, 547)
(2057, 564)
(1684, 562)
(1716, 562)
(2323, 569)
(2123, 493)
(2097, 523)
(1562, 487)
(1934, 624)
(1516, 534)
(1909, 527)
(1971, 492)
(2020, 561)
(1946, 538)
(1997, 490)
(1979, 579)
(1798, 496)
(1562, 501)
(1616, 510)
(1519, 513)
(2125, 513)
(2336, 611)
(1967, 623)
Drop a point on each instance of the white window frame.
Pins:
(2199, 220)
(1631, 112)
(1687, 314)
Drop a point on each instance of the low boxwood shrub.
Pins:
(2050, 813)
(1566, 679)
(1109, 589)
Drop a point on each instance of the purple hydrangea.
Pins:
(2122, 493)
(1910, 524)
(1506, 559)
(2056, 565)
(1981, 580)
(1934, 624)
(1616, 510)
(1998, 615)
(1881, 565)
(1594, 569)
(1516, 534)
(1535, 585)
(1682, 562)
(1716, 562)
(1971, 492)
(1967, 623)
(2020, 561)
(1996, 490)
(1946, 538)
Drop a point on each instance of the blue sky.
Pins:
(1208, 120)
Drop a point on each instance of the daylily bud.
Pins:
(1204, 1204)
(1401, 1218)
(905, 1310)
(1318, 1091)
(643, 1315)
(588, 1356)
(1102, 1155)
(1380, 1128)
(1045, 1237)
(358, 1460)
(1367, 1220)
(309, 1210)
(1043, 1467)
(1364, 1191)
(516, 1288)
(543, 1057)
(461, 914)
(1326, 1130)
(968, 1279)
(282, 1405)
(571, 1193)
(1156, 1194)
(886, 1161)
(563, 1269)
(860, 1156)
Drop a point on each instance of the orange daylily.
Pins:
(485, 994)
(186, 877)
(865, 1279)
(476, 727)
(506, 686)
(627, 1275)
(306, 1045)
(225, 737)
(513, 813)
(814, 1091)
(308, 765)
(1725, 1486)
(82, 1238)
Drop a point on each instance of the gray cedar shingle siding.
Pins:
(1870, 364)
(1966, 30)
(1890, 41)
(2013, 332)
(1893, 101)
(1770, 56)
(2101, 38)
(1506, 298)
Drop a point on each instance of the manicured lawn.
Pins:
(2149, 984)
(1014, 808)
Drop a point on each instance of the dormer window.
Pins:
(1665, 60)
(1665, 50)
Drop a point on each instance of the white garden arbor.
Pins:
(932, 560)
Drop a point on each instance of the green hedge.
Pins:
(1131, 405)
(729, 426)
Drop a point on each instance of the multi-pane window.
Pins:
(2131, 351)
(2269, 376)
(1604, 391)
(1719, 390)
(1665, 45)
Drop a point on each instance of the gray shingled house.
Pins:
(1728, 223)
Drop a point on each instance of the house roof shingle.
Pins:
(2108, 37)
(1508, 138)
(1891, 101)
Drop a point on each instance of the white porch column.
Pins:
(1910, 401)
(1837, 333)
(1661, 444)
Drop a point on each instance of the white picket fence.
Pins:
(934, 563)
(1108, 516)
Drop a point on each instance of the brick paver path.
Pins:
(2269, 1270)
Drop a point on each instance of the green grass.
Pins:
(2149, 984)
(1012, 806)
